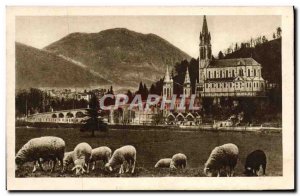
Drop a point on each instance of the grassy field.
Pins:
(153, 145)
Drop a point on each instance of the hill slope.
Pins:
(268, 54)
(120, 55)
(38, 68)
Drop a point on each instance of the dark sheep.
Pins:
(254, 160)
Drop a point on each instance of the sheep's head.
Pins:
(79, 169)
(208, 171)
(248, 171)
(19, 162)
(108, 167)
(79, 166)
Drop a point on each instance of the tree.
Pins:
(220, 55)
(264, 39)
(278, 32)
(111, 91)
(92, 122)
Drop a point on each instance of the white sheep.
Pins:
(102, 153)
(178, 160)
(68, 159)
(163, 163)
(125, 154)
(46, 148)
(220, 158)
(81, 158)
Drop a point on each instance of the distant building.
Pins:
(239, 77)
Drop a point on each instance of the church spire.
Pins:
(204, 27)
(187, 77)
(167, 76)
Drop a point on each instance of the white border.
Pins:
(164, 183)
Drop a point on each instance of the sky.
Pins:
(181, 31)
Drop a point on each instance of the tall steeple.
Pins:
(168, 85)
(167, 76)
(205, 45)
(204, 26)
(187, 84)
(205, 55)
(187, 77)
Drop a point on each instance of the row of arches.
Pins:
(182, 118)
(68, 115)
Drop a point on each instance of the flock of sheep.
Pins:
(52, 149)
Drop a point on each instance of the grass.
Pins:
(153, 145)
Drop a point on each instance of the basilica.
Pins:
(238, 77)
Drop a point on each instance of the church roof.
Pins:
(233, 62)
(220, 79)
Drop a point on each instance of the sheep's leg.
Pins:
(34, 166)
(40, 164)
(133, 166)
(53, 166)
(264, 169)
(88, 168)
(121, 169)
(62, 165)
(94, 165)
(128, 166)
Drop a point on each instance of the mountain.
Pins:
(38, 68)
(119, 55)
(268, 54)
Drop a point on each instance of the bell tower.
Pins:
(205, 55)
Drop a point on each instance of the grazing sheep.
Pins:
(254, 160)
(120, 156)
(81, 157)
(178, 161)
(100, 154)
(46, 148)
(220, 158)
(68, 159)
(163, 163)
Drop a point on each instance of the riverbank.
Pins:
(205, 127)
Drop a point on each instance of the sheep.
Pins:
(120, 156)
(220, 158)
(100, 154)
(178, 160)
(81, 157)
(163, 163)
(254, 160)
(46, 148)
(68, 159)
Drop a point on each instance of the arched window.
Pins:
(226, 74)
(79, 115)
(54, 116)
(220, 74)
(240, 72)
(215, 74)
(70, 115)
(233, 73)
(248, 72)
(61, 115)
(208, 74)
(254, 72)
